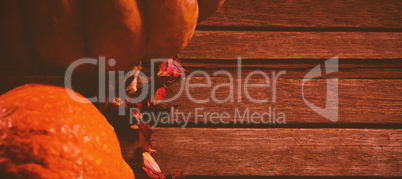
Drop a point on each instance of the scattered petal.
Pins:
(159, 95)
(171, 68)
(150, 166)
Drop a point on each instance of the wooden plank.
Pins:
(309, 13)
(279, 152)
(293, 45)
(309, 152)
(365, 97)
(361, 101)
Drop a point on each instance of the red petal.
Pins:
(160, 94)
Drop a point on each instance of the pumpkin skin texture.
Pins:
(55, 33)
(46, 134)
(116, 30)
(55, 25)
(171, 25)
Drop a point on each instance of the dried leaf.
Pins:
(177, 175)
(171, 68)
(116, 103)
(150, 166)
(136, 109)
(132, 87)
(159, 95)
(145, 132)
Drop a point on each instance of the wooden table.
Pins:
(295, 36)
(292, 36)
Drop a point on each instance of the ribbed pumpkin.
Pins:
(58, 32)
(46, 134)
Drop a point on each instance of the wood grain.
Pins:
(293, 45)
(308, 13)
(276, 152)
(293, 36)
(361, 101)
(366, 95)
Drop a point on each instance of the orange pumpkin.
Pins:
(46, 134)
(58, 32)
